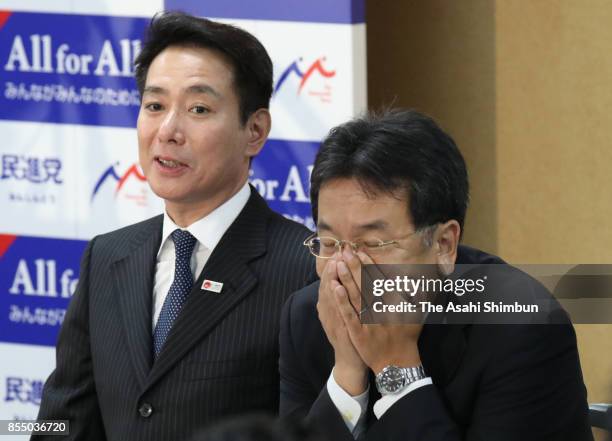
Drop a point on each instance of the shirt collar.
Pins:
(209, 229)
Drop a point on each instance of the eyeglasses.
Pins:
(325, 247)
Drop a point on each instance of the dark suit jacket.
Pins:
(221, 356)
(490, 382)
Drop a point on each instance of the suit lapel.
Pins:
(133, 276)
(244, 241)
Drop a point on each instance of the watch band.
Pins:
(414, 373)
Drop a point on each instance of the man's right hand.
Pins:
(350, 372)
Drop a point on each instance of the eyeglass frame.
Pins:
(354, 245)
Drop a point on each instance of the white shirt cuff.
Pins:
(351, 408)
(385, 403)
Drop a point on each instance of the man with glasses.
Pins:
(393, 188)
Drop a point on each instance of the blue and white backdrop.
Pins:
(68, 157)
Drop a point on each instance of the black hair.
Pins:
(249, 59)
(400, 152)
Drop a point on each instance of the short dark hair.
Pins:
(249, 59)
(397, 150)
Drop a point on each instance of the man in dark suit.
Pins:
(393, 188)
(146, 352)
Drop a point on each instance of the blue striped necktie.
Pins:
(179, 290)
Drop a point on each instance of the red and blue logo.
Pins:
(133, 172)
(313, 70)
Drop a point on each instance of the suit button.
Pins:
(145, 410)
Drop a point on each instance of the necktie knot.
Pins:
(183, 244)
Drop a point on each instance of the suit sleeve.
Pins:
(298, 398)
(70, 393)
(531, 389)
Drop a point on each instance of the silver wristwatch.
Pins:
(394, 379)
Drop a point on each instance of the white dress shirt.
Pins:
(207, 231)
(353, 409)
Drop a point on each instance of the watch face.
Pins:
(392, 379)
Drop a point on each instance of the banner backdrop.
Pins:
(68, 164)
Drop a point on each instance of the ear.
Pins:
(258, 127)
(446, 241)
